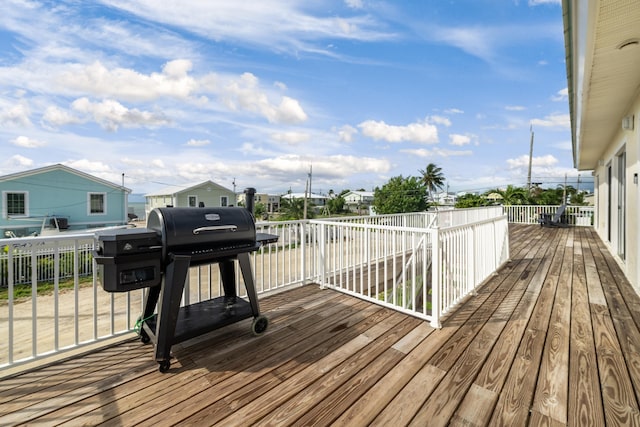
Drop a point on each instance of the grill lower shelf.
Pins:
(203, 317)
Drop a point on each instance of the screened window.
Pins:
(224, 201)
(97, 203)
(16, 204)
(193, 201)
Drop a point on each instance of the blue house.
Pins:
(58, 198)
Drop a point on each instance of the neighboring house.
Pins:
(206, 193)
(271, 202)
(602, 41)
(445, 199)
(31, 198)
(358, 200)
(317, 200)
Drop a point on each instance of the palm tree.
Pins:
(433, 178)
(513, 195)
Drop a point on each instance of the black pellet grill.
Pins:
(159, 257)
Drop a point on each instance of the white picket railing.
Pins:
(581, 216)
(422, 263)
(423, 271)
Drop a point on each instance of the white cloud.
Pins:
(18, 115)
(127, 84)
(346, 133)
(454, 111)
(415, 132)
(515, 108)
(459, 140)
(18, 161)
(244, 93)
(111, 114)
(26, 142)
(440, 120)
(158, 163)
(59, 117)
(539, 2)
(291, 138)
(553, 120)
(336, 166)
(198, 142)
(561, 95)
(523, 161)
(437, 152)
(273, 24)
(354, 4)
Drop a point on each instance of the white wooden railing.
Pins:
(422, 271)
(422, 264)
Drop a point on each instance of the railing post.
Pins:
(303, 244)
(322, 254)
(435, 279)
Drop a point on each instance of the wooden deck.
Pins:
(552, 339)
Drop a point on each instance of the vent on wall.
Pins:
(627, 123)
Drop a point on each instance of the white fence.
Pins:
(423, 271)
(581, 216)
(422, 264)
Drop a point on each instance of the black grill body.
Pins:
(161, 254)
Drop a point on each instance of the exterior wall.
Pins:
(627, 141)
(65, 194)
(208, 193)
(159, 202)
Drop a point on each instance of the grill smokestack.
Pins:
(248, 199)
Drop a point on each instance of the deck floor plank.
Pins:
(552, 338)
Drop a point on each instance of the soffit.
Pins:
(612, 78)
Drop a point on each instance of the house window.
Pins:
(97, 203)
(193, 201)
(224, 201)
(15, 204)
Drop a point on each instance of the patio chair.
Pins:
(556, 220)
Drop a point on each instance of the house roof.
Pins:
(302, 195)
(602, 43)
(58, 166)
(179, 189)
(360, 193)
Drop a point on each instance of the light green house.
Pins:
(206, 193)
(32, 199)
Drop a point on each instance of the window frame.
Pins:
(104, 203)
(5, 204)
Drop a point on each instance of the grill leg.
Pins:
(169, 305)
(228, 275)
(247, 276)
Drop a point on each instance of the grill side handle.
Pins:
(215, 228)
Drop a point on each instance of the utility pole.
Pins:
(306, 187)
(530, 159)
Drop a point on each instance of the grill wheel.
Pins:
(259, 325)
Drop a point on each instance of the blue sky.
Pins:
(171, 93)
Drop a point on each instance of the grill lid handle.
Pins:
(215, 228)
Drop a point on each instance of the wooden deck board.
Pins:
(553, 338)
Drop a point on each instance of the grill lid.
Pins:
(203, 231)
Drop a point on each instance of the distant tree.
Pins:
(513, 195)
(549, 196)
(400, 195)
(578, 199)
(471, 201)
(293, 209)
(259, 209)
(433, 178)
(336, 205)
